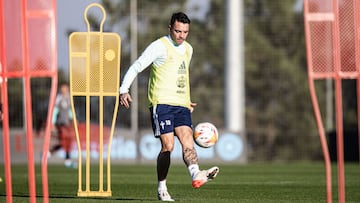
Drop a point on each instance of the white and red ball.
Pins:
(205, 134)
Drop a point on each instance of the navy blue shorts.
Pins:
(165, 118)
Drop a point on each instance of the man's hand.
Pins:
(125, 100)
(192, 106)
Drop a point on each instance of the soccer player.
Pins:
(62, 123)
(169, 100)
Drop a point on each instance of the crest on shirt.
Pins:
(181, 82)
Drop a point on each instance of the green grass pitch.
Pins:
(270, 182)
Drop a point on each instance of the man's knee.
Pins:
(167, 142)
(167, 147)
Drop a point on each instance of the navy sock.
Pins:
(163, 164)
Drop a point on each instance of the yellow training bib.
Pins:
(169, 83)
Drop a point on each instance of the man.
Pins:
(62, 123)
(169, 100)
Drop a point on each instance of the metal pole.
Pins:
(134, 88)
(338, 104)
(234, 87)
(28, 103)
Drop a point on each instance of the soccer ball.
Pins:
(205, 134)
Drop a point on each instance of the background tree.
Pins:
(279, 112)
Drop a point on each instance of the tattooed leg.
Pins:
(190, 156)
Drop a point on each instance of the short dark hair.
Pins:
(180, 17)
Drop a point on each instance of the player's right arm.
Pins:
(155, 51)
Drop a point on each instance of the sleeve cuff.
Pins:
(123, 90)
